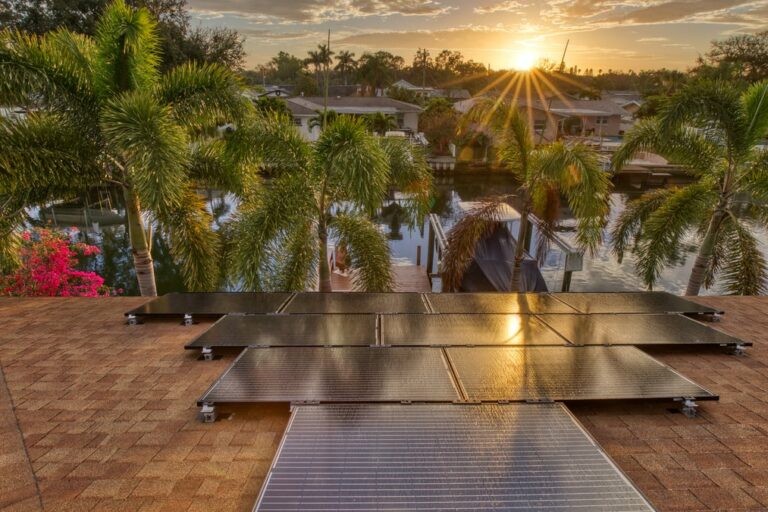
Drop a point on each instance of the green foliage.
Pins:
(104, 114)
(329, 188)
(712, 130)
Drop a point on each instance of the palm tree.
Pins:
(380, 123)
(714, 132)
(345, 63)
(315, 60)
(323, 119)
(101, 114)
(545, 174)
(320, 192)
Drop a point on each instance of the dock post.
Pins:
(566, 281)
(418, 255)
(430, 248)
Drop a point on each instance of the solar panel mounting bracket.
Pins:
(133, 320)
(208, 413)
(739, 349)
(538, 401)
(689, 407)
(207, 353)
(188, 319)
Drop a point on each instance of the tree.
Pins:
(715, 133)
(422, 63)
(271, 104)
(439, 123)
(102, 114)
(319, 59)
(380, 123)
(406, 95)
(179, 43)
(748, 52)
(545, 174)
(323, 119)
(320, 192)
(377, 70)
(286, 68)
(346, 63)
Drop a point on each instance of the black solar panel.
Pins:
(341, 374)
(428, 457)
(211, 304)
(356, 303)
(289, 330)
(567, 373)
(613, 329)
(633, 302)
(466, 330)
(496, 303)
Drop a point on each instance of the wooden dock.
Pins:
(408, 278)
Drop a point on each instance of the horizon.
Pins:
(604, 34)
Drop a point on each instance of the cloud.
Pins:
(506, 6)
(314, 11)
(652, 39)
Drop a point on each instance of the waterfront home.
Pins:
(305, 108)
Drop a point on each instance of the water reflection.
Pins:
(601, 272)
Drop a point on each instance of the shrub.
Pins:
(48, 268)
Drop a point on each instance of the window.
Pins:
(601, 120)
(539, 125)
(297, 121)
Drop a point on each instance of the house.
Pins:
(556, 117)
(432, 92)
(304, 109)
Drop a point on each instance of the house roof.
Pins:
(96, 415)
(355, 104)
(575, 107)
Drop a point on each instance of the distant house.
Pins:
(556, 117)
(304, 109)
(432, 92)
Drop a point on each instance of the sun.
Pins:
(524, 59)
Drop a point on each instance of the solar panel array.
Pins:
(531, 457)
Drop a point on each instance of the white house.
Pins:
(304, 109)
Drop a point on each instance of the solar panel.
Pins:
(430, 457)
(633, 302)
(356, 303)
(439, 330)
(211, 304)
(616, 329)
(496, 303)
(289, 330)
(567, 373)
(339, 374)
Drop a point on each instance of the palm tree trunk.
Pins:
(324, 271)
(519, 251)
(142, 258)
(706, 251)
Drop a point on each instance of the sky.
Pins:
(603, 34)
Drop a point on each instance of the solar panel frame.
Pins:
(349, 374)
(535, 373)
(447, 329)
(289, 331)
(638, 329)
(356, 303)
(211, 304)
(633, 303)
(496, 303)
(442, 457)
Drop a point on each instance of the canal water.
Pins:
(600, 272)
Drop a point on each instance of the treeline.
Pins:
(180, 42)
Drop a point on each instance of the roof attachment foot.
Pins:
(738, 350)
(132, 320)
(188, 320)
(208, 413)
(689, 407)
(207, 353)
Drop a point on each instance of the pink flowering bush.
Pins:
(48, 268)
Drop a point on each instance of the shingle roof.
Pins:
(356, 104)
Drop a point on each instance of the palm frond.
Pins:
(354, 163)
(11, 219)
(194, 246)
(127, 50)
(744, 270)
(209, 166)
(203, 96)
(476, 225)
(51, 71)
(504, 120)
(410, 174)
(679, 144)
(268, 213)
(45, 156)
(755, 177)
(577, 173)
(630, 223)
(368, 252)
(143, 134)
(298, 268)
(755, 105)
(663, 230)
(711, 104)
